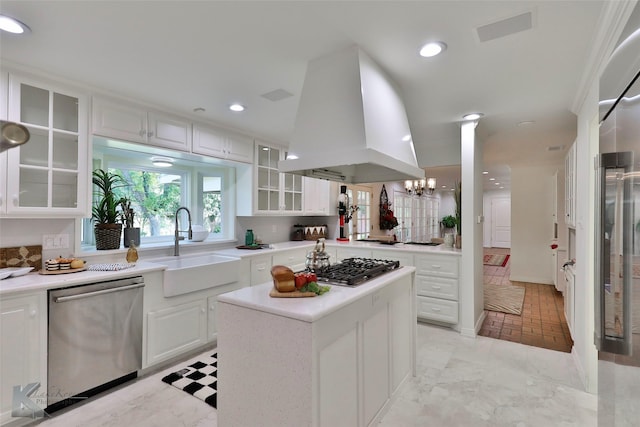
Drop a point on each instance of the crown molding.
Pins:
(613, 18)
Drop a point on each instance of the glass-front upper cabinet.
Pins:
(277, 192)
(48, 175)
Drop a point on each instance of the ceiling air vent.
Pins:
(276, 95)
(555, 148)
(505, 27)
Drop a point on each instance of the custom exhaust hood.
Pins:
(351, 124)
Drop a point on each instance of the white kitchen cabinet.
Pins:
(222, 144)
(49, 174)
(405, 258)
(175, 330)
(295, 259)
(212, 328)
(376, 387)
(118, 120)
(437, 286)
(570, 187)
(276, 193)
(568, 294)
(260, 269)
(23, 350)
(320, 197)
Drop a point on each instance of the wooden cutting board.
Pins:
(70, 270)
(295, 294)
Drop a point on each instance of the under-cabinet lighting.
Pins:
(162, 162)
(327, 174)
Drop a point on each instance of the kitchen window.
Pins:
(202, 184)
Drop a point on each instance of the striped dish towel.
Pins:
(110, 267)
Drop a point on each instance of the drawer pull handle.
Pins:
(435, 309)
(436, 287)
(435, 266)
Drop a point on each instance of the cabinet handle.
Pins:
(33, 313)
(149, 134)
(212, 307)
(435, 266)
(202, 310)
(436, 287)
(435, 309)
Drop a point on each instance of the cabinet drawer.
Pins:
(260, 270)
(437, 265)
(437, 287)
(437, 309)
(295, 260)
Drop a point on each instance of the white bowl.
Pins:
(198, 233)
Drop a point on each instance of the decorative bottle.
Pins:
(132, 253)
(248, 237)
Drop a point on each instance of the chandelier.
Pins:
(418, 187)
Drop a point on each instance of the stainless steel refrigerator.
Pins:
(617, 290)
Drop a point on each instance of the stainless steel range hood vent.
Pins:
(351, 124)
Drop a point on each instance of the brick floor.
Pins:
(542, 322)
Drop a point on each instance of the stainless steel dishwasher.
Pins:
(95, 339)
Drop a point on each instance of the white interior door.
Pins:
(501, 222)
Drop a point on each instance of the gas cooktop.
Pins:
(355, 271)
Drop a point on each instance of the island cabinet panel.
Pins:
(338, 382)
(304, 363)
(376, 363)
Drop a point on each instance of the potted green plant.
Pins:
(105, 212)
(449, 221)
(131, 233)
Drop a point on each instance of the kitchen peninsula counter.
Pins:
(315, 361)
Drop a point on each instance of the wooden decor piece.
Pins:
(22, 256)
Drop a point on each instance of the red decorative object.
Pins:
(388, 221)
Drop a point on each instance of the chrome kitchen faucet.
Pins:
(177, 236)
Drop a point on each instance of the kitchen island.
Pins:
(334, 359)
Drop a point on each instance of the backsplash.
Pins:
(29, 232)
(275, 229)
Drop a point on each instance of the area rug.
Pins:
(198, 379)
(504, 298)
(497, 260)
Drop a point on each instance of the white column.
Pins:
(471, 275)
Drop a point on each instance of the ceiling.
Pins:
(183, 55)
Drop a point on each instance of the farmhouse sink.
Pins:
(192, 273)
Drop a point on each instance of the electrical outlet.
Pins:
(55, 241)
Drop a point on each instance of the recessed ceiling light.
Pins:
(497, 183)
(472, 116)
(501, 188)
(236, 107)
(485, 173)
(12, 25)
(444, 186)
(161, 162)
(492, 179)
(406, 137)
(265, 148)
(432, 49)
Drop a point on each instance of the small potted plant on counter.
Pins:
(131, 233)
(105, 213)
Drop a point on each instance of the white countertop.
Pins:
(308, 309)
(310, 244)
(36, 282)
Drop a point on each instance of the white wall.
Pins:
(488, 197)
(531, 223)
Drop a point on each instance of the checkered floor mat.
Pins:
(198, 379)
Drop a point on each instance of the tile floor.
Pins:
(542, 323)
(460, 382)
